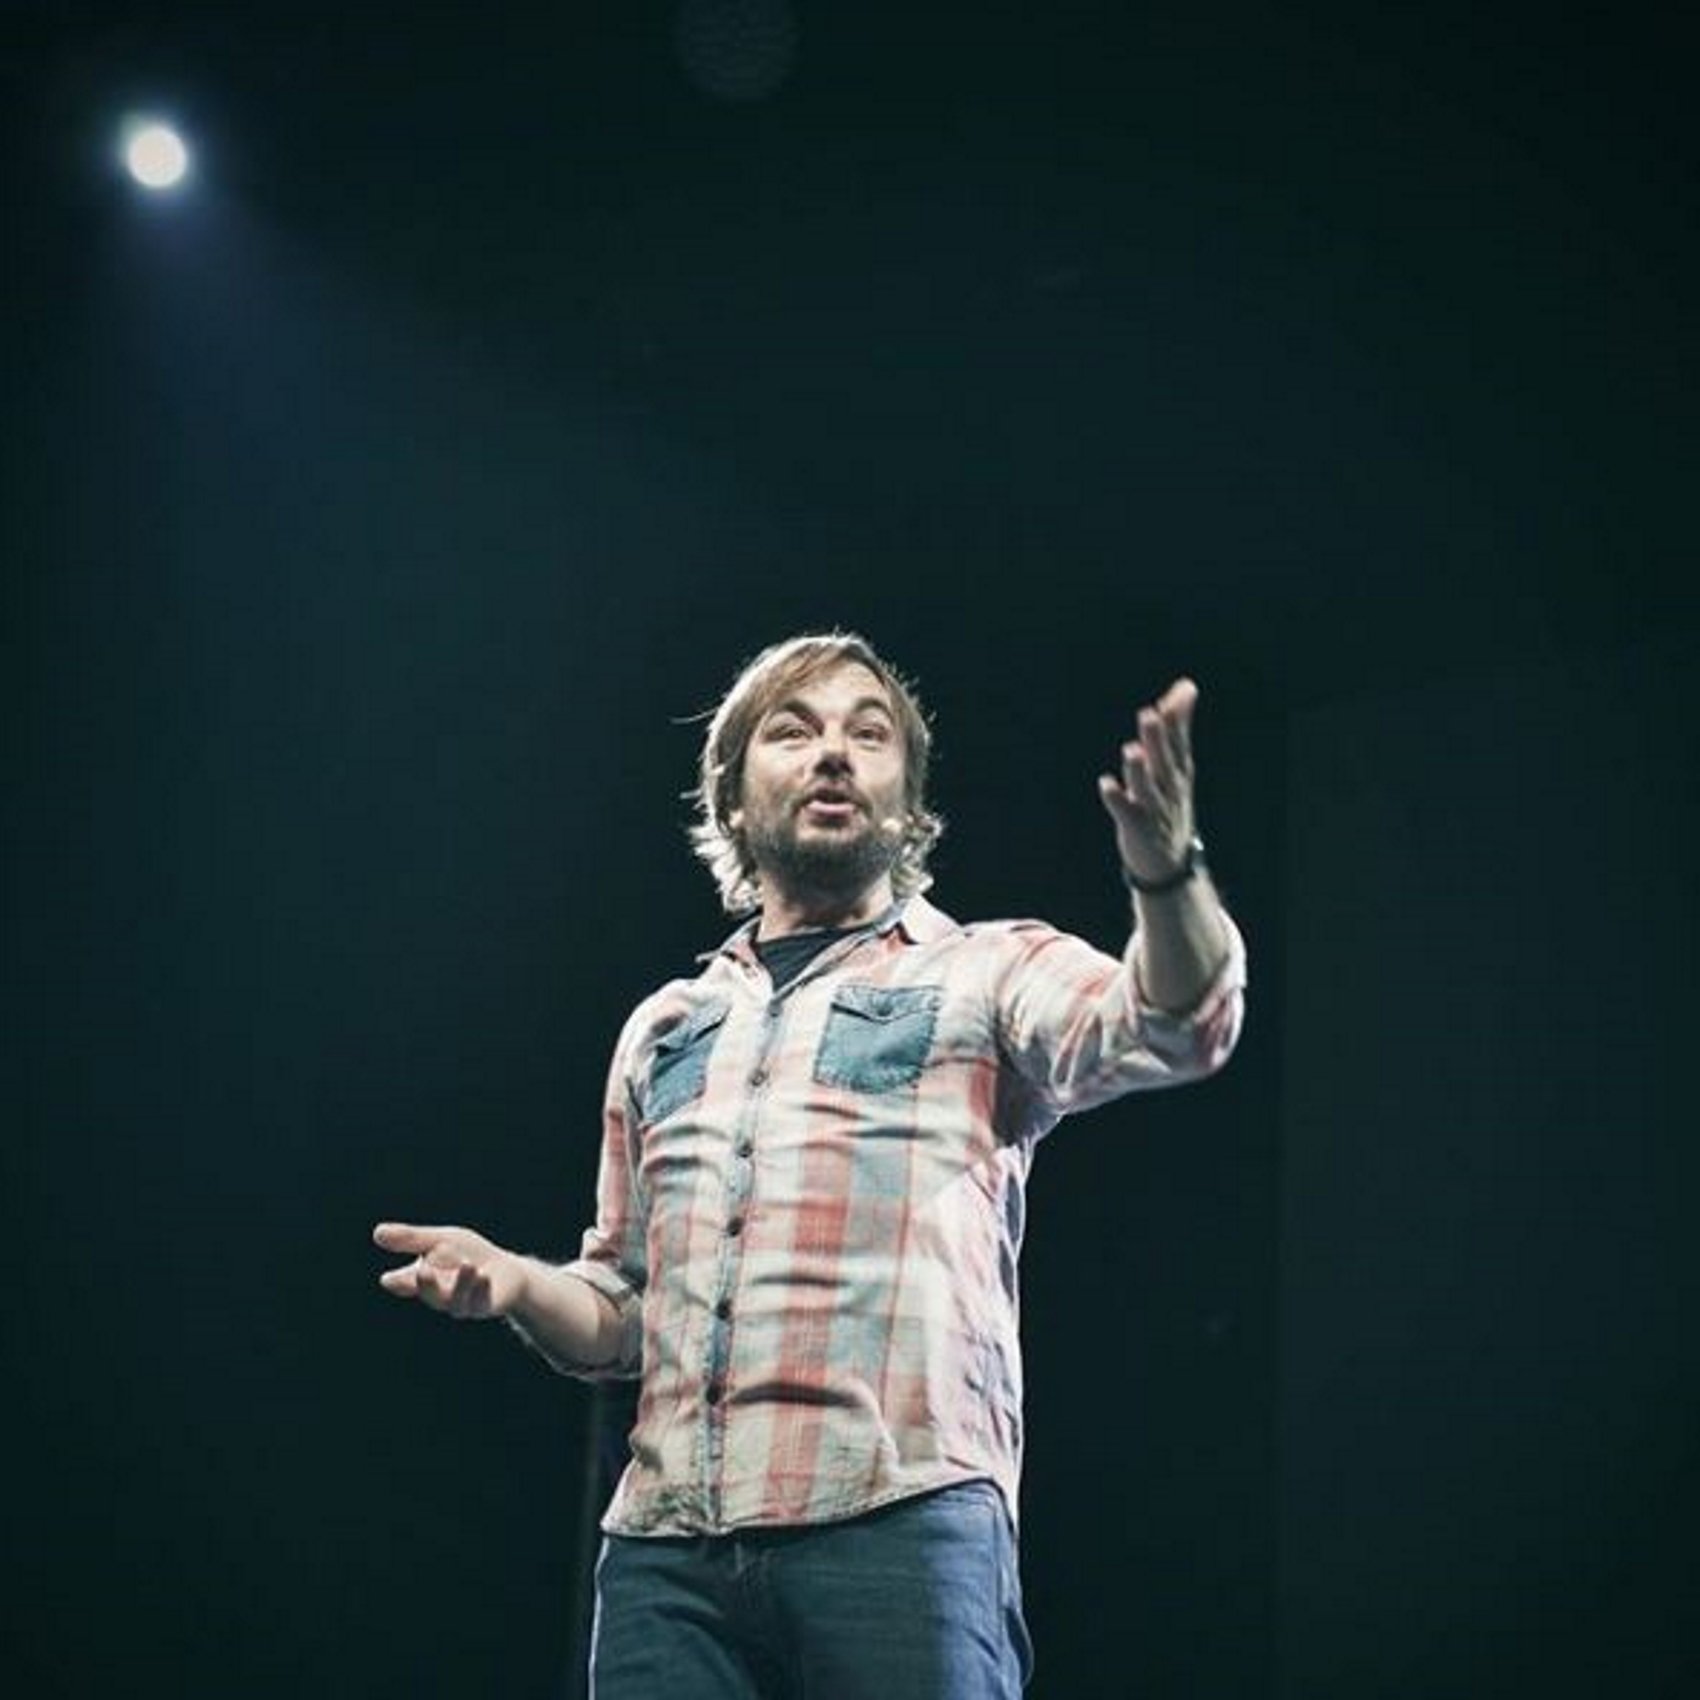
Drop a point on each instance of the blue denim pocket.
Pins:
(680, 1064)
(877, 1037)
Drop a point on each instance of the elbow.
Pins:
(1216, 1037)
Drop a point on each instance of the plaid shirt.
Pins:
(811, 1203)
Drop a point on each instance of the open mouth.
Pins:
(829, 805)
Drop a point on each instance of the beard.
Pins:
(828, 865)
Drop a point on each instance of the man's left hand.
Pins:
(1151, 803)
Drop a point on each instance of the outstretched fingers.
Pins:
(415, 1280)
(403, 1282)
(1150, 798)
(407, 1237)
(1152, 753)
(1165, 736)
(1176, 706)
(449, 1268)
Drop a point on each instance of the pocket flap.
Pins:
(886, 1003)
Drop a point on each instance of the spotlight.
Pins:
(154, 154)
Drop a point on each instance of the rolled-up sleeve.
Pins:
(1197, 1041)
(1073, 1021)
(612, 1256)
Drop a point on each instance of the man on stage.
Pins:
(811, 1201)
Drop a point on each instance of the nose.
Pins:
(834, 750)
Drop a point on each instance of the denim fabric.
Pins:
(877, 1038)
(680, 1066)
(917, 1601)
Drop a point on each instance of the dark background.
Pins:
(377, 510)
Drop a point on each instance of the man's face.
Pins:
(822, 805)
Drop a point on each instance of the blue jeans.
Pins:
(917, 1601)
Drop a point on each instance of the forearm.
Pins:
(1183, 944)
(564, 1318)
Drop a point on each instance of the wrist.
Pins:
(1191, 865)
(526, 1289)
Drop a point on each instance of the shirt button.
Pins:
(724, 1309)
(759, 1076)
(712, 1393)
(736, 1225)
(746, 1147)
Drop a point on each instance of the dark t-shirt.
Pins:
(786, 958)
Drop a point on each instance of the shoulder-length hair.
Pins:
(769, 679)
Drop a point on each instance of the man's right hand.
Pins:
(453, 1270)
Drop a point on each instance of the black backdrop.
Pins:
(377, 511)
(1489, 1385)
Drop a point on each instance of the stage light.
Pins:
(154, 154)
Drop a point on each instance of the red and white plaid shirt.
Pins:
(811, 1202)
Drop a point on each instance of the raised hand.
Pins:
(1152, 801)
(454, 1270)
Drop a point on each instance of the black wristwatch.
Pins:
(1192, 863)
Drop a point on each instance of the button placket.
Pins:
(740, 1186)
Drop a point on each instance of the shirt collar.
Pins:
(920, 921)
(914, 917)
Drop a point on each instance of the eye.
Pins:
(873, 732)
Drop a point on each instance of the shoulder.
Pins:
(1020, 929)
(924, 923)
(991, 951)
(1015, 937)
(678, 1002)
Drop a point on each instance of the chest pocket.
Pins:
(877, 1037)
(679, 1067)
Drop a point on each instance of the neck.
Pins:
(784, 912)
